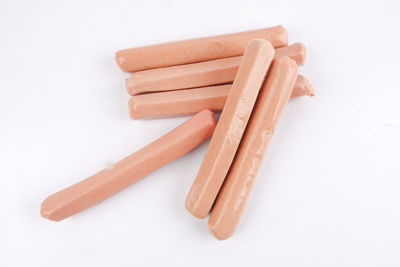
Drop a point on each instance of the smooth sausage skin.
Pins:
(232, 123)
(105, 183)
(233, 195)
(213, 72)
(189, 101)
(178, 103)
(200, 74)
(196, 50)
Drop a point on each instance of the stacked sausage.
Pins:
(249, 76)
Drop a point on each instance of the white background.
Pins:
(328, 193)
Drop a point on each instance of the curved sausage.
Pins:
(105, 183)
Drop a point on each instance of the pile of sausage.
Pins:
(248, 77)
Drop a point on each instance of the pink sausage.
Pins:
(242, 96)
(213, 72)
(196, 50)
(105, 183)
(189, 101)
(238, 184)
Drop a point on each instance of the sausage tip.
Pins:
(121, 60)
(132, 108)
(46, 211)
(283, 35)
(302, 54)
(216, 233)
(304, 87)
(192, 210)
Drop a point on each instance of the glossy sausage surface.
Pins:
(107, 182)
(231, 125)
(189, 101)
(196, 50)
(238, 184)
(213, 72)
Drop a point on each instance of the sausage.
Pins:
(234, 117)
(196, 50)
(302, 87)
(233, 195)
(188, 101)
(105, 183)
(176, 103)
(200, 74)
(296, 51)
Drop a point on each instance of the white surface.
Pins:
(328, 192)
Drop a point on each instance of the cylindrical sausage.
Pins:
(213, 72)
(233, 195)
(189, 101)
(196, 50)
(232, 123)
(105, 183)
